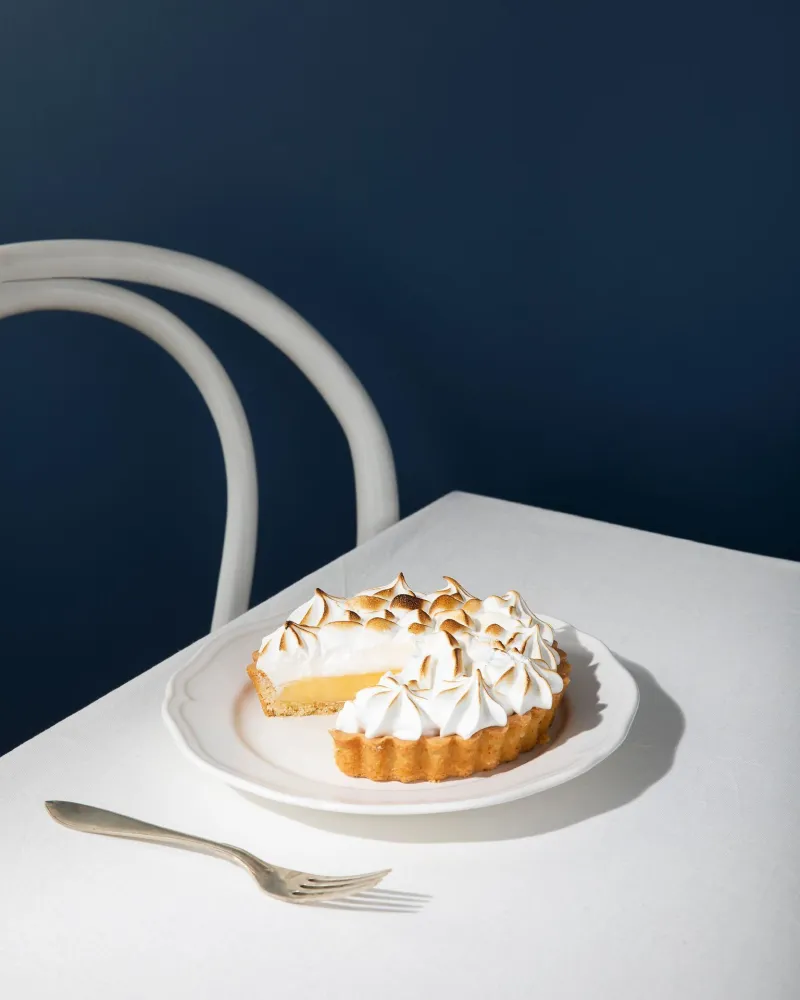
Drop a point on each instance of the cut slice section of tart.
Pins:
(328, 650)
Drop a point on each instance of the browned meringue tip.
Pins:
(452, 626)
(292, 628)
(417, 616)
(328, 602)
(406, 602)
(380, 624)
(462, 592)
(424, 670)
(398, 585)
(344, 626)
(445, 602)
(457, 615)
(367, 602)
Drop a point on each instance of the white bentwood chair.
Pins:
(53, 274)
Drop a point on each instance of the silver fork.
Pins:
(282, 883)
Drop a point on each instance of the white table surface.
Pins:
(668, 871)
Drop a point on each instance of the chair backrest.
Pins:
(47, 275)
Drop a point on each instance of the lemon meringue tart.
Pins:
(427, 686)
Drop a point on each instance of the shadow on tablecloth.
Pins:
(645, 758)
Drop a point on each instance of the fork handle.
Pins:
(90, 819)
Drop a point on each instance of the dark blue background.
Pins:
(556, 241)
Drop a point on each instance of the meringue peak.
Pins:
(391, 590)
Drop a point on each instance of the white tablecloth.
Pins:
(668, 871)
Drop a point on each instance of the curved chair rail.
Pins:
(42, 275)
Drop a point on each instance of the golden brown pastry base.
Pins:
(271, 706)
(435, 758)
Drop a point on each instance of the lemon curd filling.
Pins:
(309, 690)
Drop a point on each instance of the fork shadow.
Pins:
(378, 901)
(645, 757)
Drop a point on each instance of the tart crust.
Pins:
(435, 758)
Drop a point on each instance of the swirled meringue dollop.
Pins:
(466, 706)
(530, 642)
(388, 709)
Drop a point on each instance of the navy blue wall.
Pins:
(556, 241)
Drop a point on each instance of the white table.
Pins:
(668, 871)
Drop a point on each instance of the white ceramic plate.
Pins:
(213, 713)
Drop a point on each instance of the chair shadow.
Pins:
(645, 757)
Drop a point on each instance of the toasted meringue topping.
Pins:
(454, 663)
